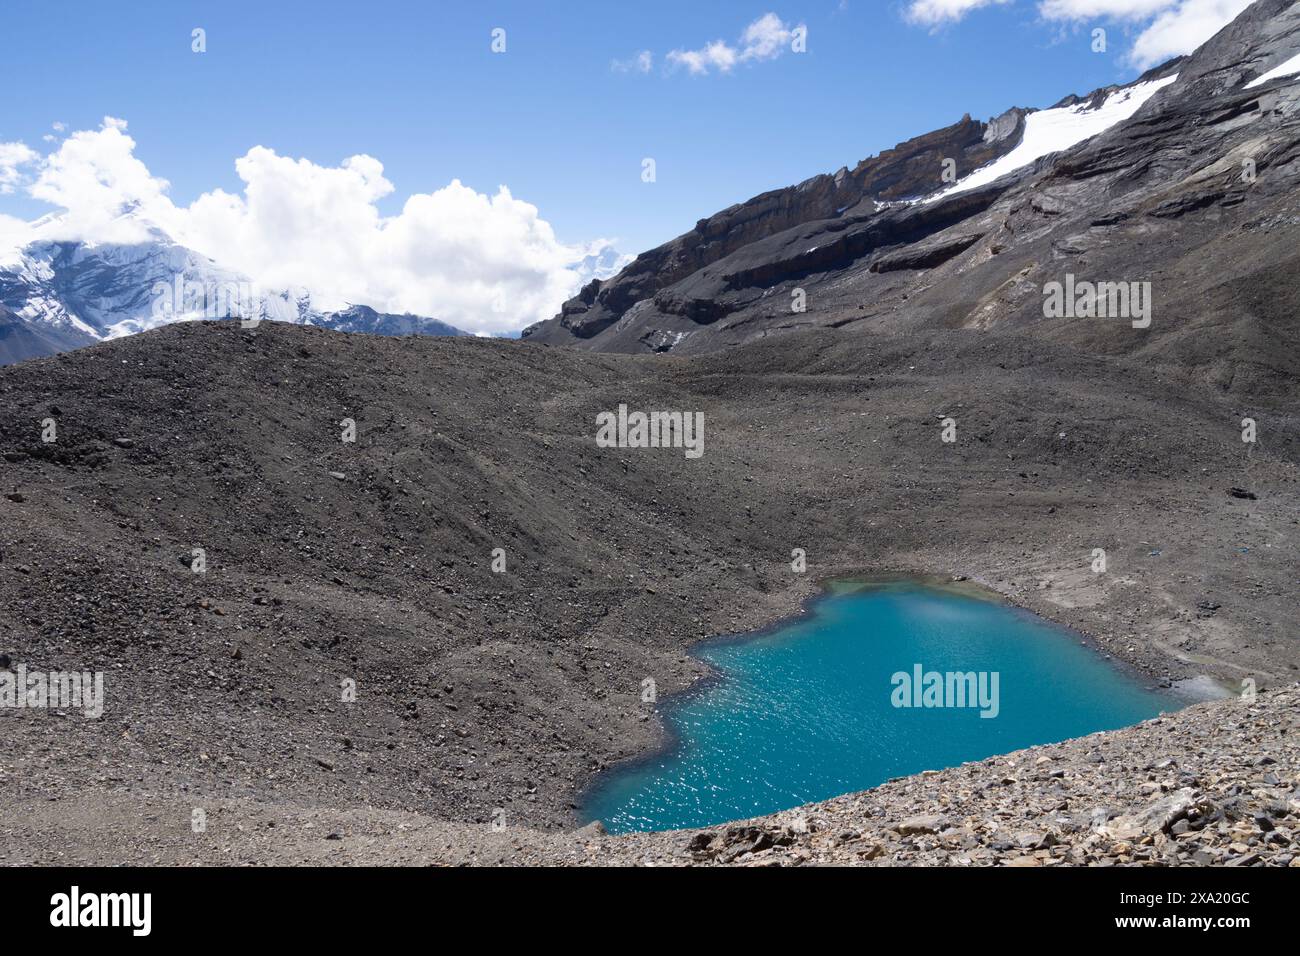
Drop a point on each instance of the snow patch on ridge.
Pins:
(1289, 68)
(1051, 131)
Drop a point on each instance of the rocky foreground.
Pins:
(1217, 784)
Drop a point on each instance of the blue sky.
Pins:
(416, 86)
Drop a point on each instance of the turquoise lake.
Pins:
(806, 711)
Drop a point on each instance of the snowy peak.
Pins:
(59, 295)
(362, 318)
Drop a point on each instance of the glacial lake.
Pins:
(813, 708)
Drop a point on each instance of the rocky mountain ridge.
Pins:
(896, 174)
(1194, 193)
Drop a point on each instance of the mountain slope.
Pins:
(372, 561)
(1161, 197)
(20, 339)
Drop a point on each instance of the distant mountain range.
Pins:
(57, 295)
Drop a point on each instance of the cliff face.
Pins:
(907, 170)
(1193, 190)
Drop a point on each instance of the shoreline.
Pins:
(825, 587)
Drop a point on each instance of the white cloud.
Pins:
(92, 175)
(12, 156)
(1172, 27)
(935, 12)
(1175, 27)
(643, 62)
(1183, 28)
(1095, 9)
(485, 263)
(14, 234)
(58, 128)
(764, 39)
(717, 55)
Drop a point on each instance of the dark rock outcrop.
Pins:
(911, 169)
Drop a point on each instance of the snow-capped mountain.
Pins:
(57, 295)
(602, 262)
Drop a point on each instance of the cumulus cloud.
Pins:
(1169, 27)
(764, 39)
(1112, 9)
(935, 12)
(93, 175)
(1183, 28)
(718, 55)
(14, 234)
(485, 263)
(13, 156)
